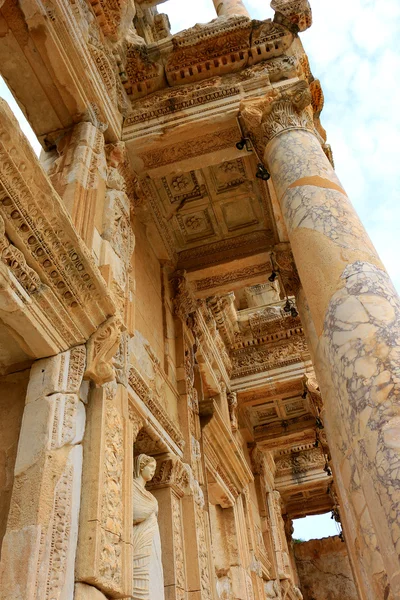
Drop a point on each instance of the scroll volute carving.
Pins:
(101, 348)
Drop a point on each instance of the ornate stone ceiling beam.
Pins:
(184, 147)
(285, 434)
(300, 508)
(54, 60)
(267, 376)
(41, 248)
(223, 454)
(231, 275)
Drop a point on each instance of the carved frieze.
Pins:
(296, 13)
(144, 74)
(210, 142)
(244, 273)
(299, 462)
(251, 360)
(36, 222)
(113, 16)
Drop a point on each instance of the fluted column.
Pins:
(353, 305)
(230, 8)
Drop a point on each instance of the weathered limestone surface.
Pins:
(87, 592)
(192, 355)
(42, 532)
(324, 570)
(12, 400)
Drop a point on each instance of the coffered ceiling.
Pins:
(211, 206)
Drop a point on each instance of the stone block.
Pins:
(60, 373)
(19, 548)
(87, 592)
(36, 433)
(47, 424)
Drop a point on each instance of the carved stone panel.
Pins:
(105, 553)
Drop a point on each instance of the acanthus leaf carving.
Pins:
(101, 348)
(281, 110)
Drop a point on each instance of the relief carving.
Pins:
(101, 349)
(15, 260)
(267, 117)
(233, 406)
(184, 299)
(110, 563)
(296, 13)
(178, 547)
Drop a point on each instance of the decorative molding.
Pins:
(15, 260)
(211, 142)
(148, 397)
(37, 223)
(232, 276)
(248, 361)
(295, 13)
(224, 455)
(280, 111)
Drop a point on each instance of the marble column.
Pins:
(364, 553)
(354, 308)
(231, 8)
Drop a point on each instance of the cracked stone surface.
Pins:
(324, 570)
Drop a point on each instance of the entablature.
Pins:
(61, 286)
(224, 458)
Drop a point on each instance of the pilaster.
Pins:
(39, 547)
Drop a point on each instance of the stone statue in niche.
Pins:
(148, 579)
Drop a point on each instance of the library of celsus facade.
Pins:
(198, 341)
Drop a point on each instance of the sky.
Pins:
(353, 49)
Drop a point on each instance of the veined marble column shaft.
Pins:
(353, 304)
(230, 8)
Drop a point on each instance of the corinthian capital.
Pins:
(265, 118)
(295, 13)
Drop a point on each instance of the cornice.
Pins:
(224, 46)
(221, 443)
(38, 225)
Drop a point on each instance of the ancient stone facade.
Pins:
(198, 341)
